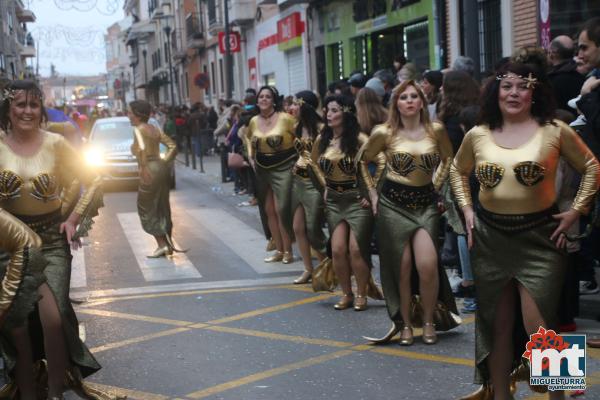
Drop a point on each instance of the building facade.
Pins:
(17, 47)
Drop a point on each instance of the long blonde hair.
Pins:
(369, 110)
(395, 119)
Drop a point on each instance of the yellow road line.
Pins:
(139, 339)
(271, 309)
(268, 374)
(106, 300)
(135, 317)
(277, 336)
(131, 394)
(423, 356)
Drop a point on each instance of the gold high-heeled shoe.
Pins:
(75, 382)
(430, 338)
(304, 278)
(288, 257)
(360, 303)
(271, 245)
(407, 340)
(278, 256)
(388, 336)
(345, 302)
(161, 252)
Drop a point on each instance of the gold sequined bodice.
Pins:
(304, 148)
(32, 185)
(279, 139)
(411, 162)
(521, 180)
(146, 144)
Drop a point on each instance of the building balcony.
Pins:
(242, 11)
(262, 2)
(196, 42)
(25, 15)
(215, 26)
(27, 51)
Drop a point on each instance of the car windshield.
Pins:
(111, 131)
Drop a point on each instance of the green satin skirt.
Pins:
(153, 204)
(345, 206)
(57, 254)
(530, 258)
(396, 226)
(280, 180)
(306, 195)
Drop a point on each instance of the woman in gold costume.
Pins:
(307, 202)
(517, 234)
(153, 204)
(408, 216)
(270, 141)
(347, 209)
(35, 166)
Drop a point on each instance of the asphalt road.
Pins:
(218, 323)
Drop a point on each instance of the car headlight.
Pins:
(94, 157)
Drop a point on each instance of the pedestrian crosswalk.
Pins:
(237, 238)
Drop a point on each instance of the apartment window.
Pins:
(213, 77)
(490, 34)
(158, 59)
(9, 19)
(212, 11)
(187, 85)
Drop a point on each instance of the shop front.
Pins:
(367, 35)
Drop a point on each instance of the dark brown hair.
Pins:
(351, 129)
(141, 109)
(543, 107)
(460, 91)
(30, 88)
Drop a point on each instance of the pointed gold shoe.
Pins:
(271, 245)
(429, 338)
(407, 338)
(278, 256)
(306, 277)
(388, 336)
(345, 302)
(161, 252)
(360, 303)
(485, 392)
(288, 257)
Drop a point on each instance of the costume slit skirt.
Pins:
(280, 179)
(531, 259)
(57, 274)
(306, 195)
(345, 206)
(397, 225)
(153, 203)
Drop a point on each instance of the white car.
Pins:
(109, 150)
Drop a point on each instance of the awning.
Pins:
(139, 30)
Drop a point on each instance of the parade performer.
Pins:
(307, 203)
(153, 204)
(35, 166)
(270, 141)
(516, 234)
(347, 209)
(408, 215)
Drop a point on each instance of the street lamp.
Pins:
(167, 29)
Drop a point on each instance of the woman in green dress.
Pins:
(153, 204)
(347, 209)
(516, 234)
(408, 216)
(270, 141)
(307, 203)
(35, 167)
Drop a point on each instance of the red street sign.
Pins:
(289, 27)
(234, 42)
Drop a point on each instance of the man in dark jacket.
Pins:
(566, 81)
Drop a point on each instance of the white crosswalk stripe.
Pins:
(159, 269)
(78, 274)
(241, 238)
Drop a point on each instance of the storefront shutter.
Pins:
(296, 70)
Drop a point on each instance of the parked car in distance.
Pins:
(108, 149)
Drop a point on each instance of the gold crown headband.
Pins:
(347, 109)
(300, 102)
(10, 94)
(529, 79)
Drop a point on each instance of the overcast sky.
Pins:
(70, 34)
